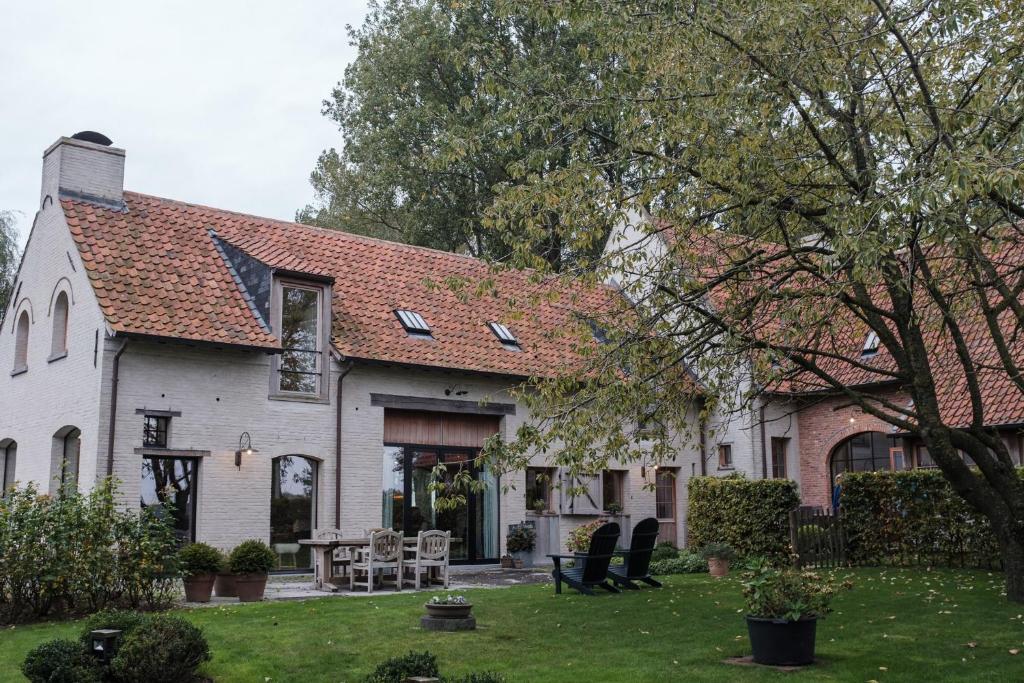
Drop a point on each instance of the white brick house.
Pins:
(194, 333)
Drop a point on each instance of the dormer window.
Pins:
(413, 322)
(870, 345)
(299, 323)
(505, 336)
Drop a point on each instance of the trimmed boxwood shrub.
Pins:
(397, 669)
(122, 620)
(164, 649)
(197, 559)
(60, 661)
(252, 557)
(664, 551)
(912, 518)
(751, 515)
(685, 562)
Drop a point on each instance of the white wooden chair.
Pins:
(432, 550)
(384, 553)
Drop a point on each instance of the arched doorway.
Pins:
(866, 452)
(293, 489)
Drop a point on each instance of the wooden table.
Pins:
(323, 551)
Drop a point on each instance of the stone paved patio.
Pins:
(300, 586)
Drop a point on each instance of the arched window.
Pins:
(67, 447)
(8, 460)
(866, 452)
(21, 343)
(59, 343)
(292, 509)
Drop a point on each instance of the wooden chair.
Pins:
(591, 569)
(636, 566)
(384, 553)
(341, 559)
(432, 551)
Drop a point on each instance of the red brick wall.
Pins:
(823, 424)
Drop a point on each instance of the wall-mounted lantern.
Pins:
(103, 643)
(244, 447)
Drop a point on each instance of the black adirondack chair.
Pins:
(591, 569)
(638, 558)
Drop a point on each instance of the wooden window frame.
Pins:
(725, 461)
(782, 443)
(551, 474)
(618, 481)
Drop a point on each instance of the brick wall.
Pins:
(823, 424)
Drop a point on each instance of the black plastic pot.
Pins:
(778, 642)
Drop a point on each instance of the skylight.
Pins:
(504, 334)
(413, 322)
(870, 344)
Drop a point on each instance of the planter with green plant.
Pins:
(783, 608)
(613, 509)
(250, 563)
(539, 506)
(520, 544)
(718, 555)
(199, 564)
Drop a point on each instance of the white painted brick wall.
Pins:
(36, 404)
(83, 167)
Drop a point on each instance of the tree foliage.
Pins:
(8, 259)
(430, 130)
(818, 171)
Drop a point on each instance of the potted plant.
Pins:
(718, 555)
(250, 563)
(199, 565)
(539, 506)
(449, 607)
(520, 543)
(613, 509)
(783, 608)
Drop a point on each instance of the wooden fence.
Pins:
(817, 538)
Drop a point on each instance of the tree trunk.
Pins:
(1013, 565)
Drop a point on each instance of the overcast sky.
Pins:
(214, 102)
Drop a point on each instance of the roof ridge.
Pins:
(316, 228)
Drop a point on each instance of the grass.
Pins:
(895, 625)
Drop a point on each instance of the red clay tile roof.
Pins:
(156, 271)
(842, 334)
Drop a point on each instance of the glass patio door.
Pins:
(409, 504)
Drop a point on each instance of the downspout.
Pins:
(347, 368)
(764, 454)
(703, 442)
(115, 371)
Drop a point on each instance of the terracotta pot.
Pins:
(250, 587)
(507, 562)
(717, 566)
(449, 611)
(224, 586)
(199, 587)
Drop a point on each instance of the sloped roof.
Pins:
(157, 271)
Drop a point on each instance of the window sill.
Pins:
(57, 357)
(728, 468)
(299, 398)
(171, 452)
(18, 371)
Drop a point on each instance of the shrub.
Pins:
(913, 517)
(664, 551)
(685, 562)
(197, 559)
(60, 661)
(397, 669)
(164, 649)
(79, 553)
(521, 539)
(578, 540)
(252, 557)
(721, 551)
(750, 515)
(124, 621)
(773, 593)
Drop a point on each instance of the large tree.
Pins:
(820, 170)
(8, 259)
(428, 132)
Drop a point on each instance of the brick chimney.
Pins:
(84, 165)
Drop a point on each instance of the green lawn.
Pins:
(895, 625)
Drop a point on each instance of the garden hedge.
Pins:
(912, 518)
(751, 515)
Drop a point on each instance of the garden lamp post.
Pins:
(103, 643)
